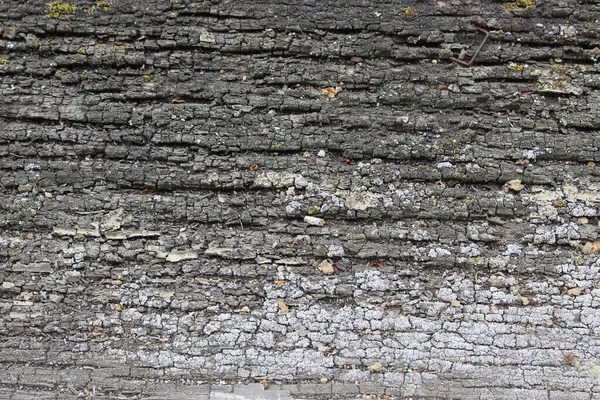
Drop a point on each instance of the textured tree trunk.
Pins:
(158, 160)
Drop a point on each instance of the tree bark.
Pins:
(158, 160)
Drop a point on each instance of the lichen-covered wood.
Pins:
(159, 160)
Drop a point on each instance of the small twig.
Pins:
(467, 64)
(16, 155)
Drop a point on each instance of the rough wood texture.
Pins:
(157, 160)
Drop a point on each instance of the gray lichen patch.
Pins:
(560, 79)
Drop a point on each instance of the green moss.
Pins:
(516, 67)
(313, 210)
(8, 32)
(100, 5)
(523, 4)
(58, 8)
(104, 5)
(565, 100)
(413, 12)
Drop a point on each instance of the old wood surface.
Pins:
(158, 158)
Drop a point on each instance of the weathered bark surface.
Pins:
(157, 160)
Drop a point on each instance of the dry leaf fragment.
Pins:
(283, 307)
(588, 248)
(514, 185)
(347, 160)
(280, 282)
(254, 167)
(331, 92)
(177, 101)
(377, 263)
(326, 267)
(377, 367)
(455, 303)
(118, 307)
(569, 358)
(117, 282)
(323, 380)
(265, 383)
(524, 300)
(443, 87)
(574, 291)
